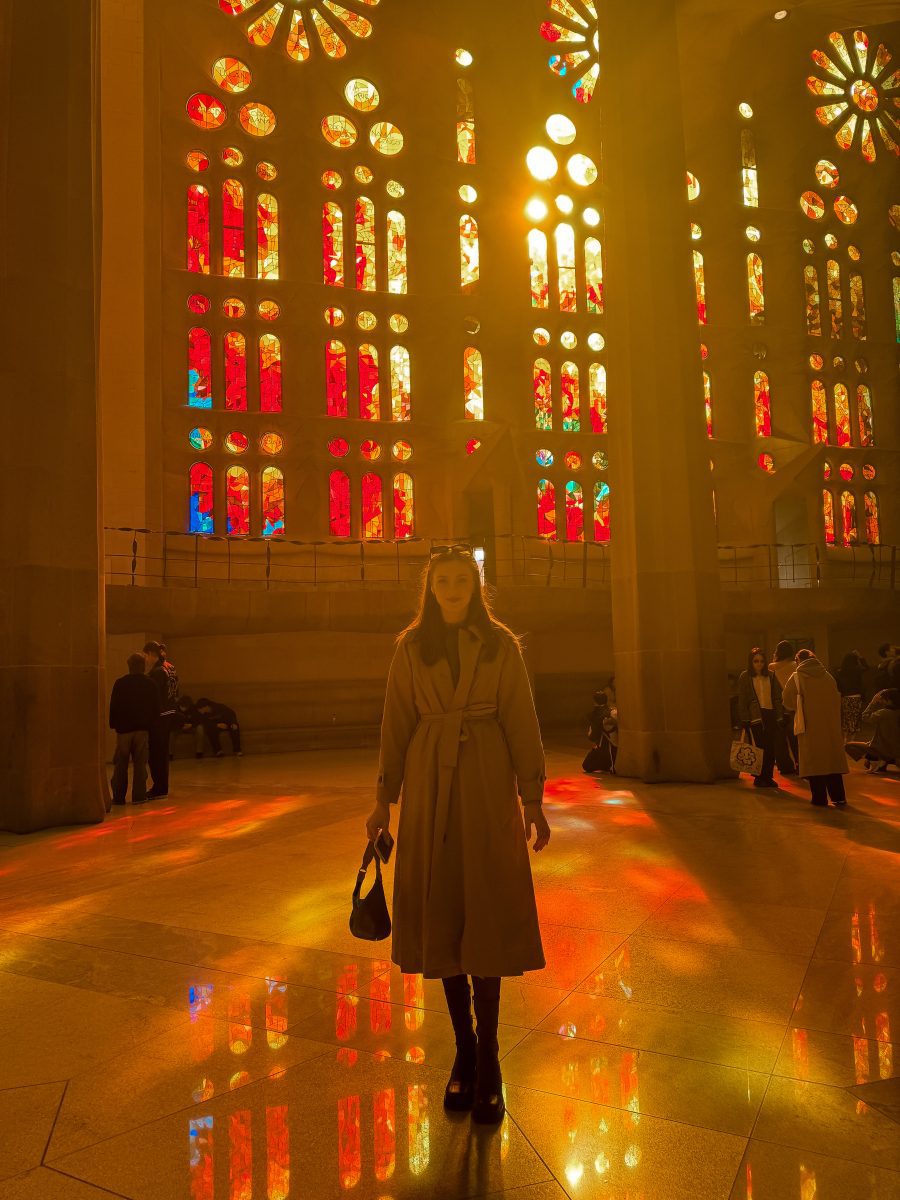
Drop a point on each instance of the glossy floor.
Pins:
(185, 1015)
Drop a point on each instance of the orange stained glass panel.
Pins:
(269, 373)
(540, 271)
(199, 368)
(835, 303)
(369, 391)
(873, 529)
(469, 259)
(813, 302)
(707, 399)
(842, 414)
(597, 386)
(574, 512)
(857, 308)
(546, 510)
(762, 404)
(864, 415)
(565, 261)
(235, 372)
(237, 494)
(543, 395)
(756, 289)
(233, 229)
(336, 379)
(372, 507)
(700, 287)
(473, 383)
(571, 399)
(272, 502)
(849, 529)
(828, 516)
(365, 245)
(198, 229)
(267, 231)
(339, 504)
(819, 413)
(398, 281)
(332, 245)
(404, 508)
(593, 273)
(601, 511)
(401, 388)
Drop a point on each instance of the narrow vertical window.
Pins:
(469, 265)
(762, 404)
(465, 122)
(819, 413)
(404, 507)
(546, 510)
(396, 253)
(401, 388)
(365, 245)
(369, 391)
(828, 516)
(849, 531)
(571, 398)
(543, 395)
(873, 531)
(267, 237)
(700, 287)
(749, 177)
(237, 497)
(473, 376)
(269, 373)
(864, 415)
(332, 245)
(339, 504)
(593, 273)
(897, 307)
(565, 263)
(597, 385)
(233, 229)
(372, 507)
(235, 372)
(835, 304)
(199, 368)
(574, 512)
(540, 269)
(272, 503)
(707, 400)
(336, 379)
(813, 302)
(601, 511)
(198, 229)
(842, 414)
(756, 289)
(857, 308)
(201, 504)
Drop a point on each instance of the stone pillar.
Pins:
(667, 620)
(51, 588)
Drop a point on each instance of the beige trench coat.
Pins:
(463, 894)
(822, 745)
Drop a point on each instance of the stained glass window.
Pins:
(201, 503)
(339, 504)
(828, 516)
(237, 496)
(233, 229)
(756, 289)
(857, 308)
(849, 531)
(401, 403)
(369, 394)
(571, 400)
(396, 253)
(540, 270)
(601, 511)
(272, 502)
(762, 404)
(332, 245)
(404, 507)
(465, 122)
(473, 378)
(235, 372)
(565, 260)
(864, 415)
(873, 531)
(372, 507)
(543, 395)
(267, 237)
(842, 414)
(199, 368)
(597, 386)
(749, 179)
(198, 229)
(707, 399)
(896, 285)
(819, 413)
(593, 271)
(813, 303)
(269, 373)
(336, 380)
(546, 510)
(469, 265)
(835, 305)
(700, 286)
(365, 244)
(574, 512)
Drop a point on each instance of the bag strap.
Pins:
(367, 858)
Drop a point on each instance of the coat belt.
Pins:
(452, 732)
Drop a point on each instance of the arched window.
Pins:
(849, 532)
(864, 415)
(543, 395)
(267, 237)
(873, 531)
(465, 122)
(473, 376)
(540, 269)
(707, 398)
(835, 304)
(749, 179)
(269, 373)
(199, 368)
(198, 229)
(601, 511)
(762, 404)
(339, 504)
(233, 229)
(813, 303)
(597, 384)
(896, 285)
(819, 413)
(565, 262)
(571, 399)
(401, 388)
(272, 503)
(700, 287)
(574, 512)
(404, 507)
(857, 308)
(396, 253)
(546, 510)
(237, 501)
(372, 507)
(828, 516)
(369, 392)
(201, 503)
(336, 380)
(235, 372)
(756, 289)
(593, 273)
(332, 245)
(469, 265)
(842, 414)
(365, 244)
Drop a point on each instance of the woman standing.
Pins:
(822, 759)
(850, 685)
(460, 738)
(782, 667)
(759, 710)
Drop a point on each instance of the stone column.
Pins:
(667, 620)
(51, 589)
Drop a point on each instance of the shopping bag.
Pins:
(746, 758)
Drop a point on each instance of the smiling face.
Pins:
(452, 584)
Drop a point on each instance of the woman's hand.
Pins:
(536, 822)
(379, 818)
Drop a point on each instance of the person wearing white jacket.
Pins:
(812, 695)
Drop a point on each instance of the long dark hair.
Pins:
(750, 657)
(427, 626)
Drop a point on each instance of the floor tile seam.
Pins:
(86, 1182)
(552, 1177)
(59, 1106)
(602, 961)
(619, 933)
(19, 1087)
(828, 909)
(806, 958)
(741, 1161)
(856, 1162)
(661, 1008)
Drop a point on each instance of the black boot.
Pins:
(460, 1091)
(489, 1106)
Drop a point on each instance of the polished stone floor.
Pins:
(184, 1013)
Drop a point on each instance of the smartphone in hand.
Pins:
(383, 845)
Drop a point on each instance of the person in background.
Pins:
(159, 730)
(885, 669)
(883, 747)
(782, 667)
(187, 720)
(133, 710)
(603, 735)
(218, 719)
(609, 691)
(812, 694)
(850, 685)
(759, 710)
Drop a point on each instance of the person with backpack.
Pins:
(167, 688)
(133, 708)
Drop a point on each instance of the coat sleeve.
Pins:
(518, 719)
(114, 705)
(789, 695)
(397, 726)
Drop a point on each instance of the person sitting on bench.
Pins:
(219, 718)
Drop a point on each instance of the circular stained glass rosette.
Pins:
(399, 323)
(401, 451)
(596, 341)
(271, 443)
(361, 95)
(745, 110)
(868, 471)
(704, 351)
(207, 112)
(544, 458)
(339, 131)
(370, 450)
(332, 180)
(339, 447)
(232, 157)
(463, 58)
(600, 460)
(767, 463)
(268, 310)
(198, 303)
(573, 460)
(568, 340)
(845, 210)
(862, 365)
(541, 337)
(233, 308)
(831, 241)
(386, 138)
(231, 75)
(582, 170)
(561, 129)
(267, 171)
(813, 205)
(467, 194)
(236, 442)
(827, 173)
(395, 189)
(366, 320)
(816, 361)
(362, 175)
(541, 163)
(197, 160)
(846, 472)
(200, 439)
(257, 119)
(334, 317)
(855, 253)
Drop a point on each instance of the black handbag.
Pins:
(370, 919)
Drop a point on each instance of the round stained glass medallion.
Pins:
(591, 217)
(339, 447)
(231, 75)
(573, 460)
(334, 317)
(395, 189)
(596, 341)
(568, 340)
(268, 310)
(197, 160)
(541, 337)
(232, 157)
(831, 241)
(536, 209)
(846, 472)
(862, 365)
(895, 257)
(544, 458)
(808, 247)
(257, 119)
(704, 351)
(200, 439)
(864, 95)
(198, 303)
(753, 234)
(696, 232)
(370, 450)
(868, 471)
(339, 131)
(767, 463)
(399, 323)
(366, 320)
(816, 361)
(541, 163)
(467, 194)
(854, 253)
(894, 216)
(234, 308)
(401, 451)
(332, 180)
(827, 173)
(236, 442)
(600, 460)
(813, 205)
(472, 445)
(271, 443)
(838, 362)
(745, 110)
(561, 129)
(826, 471)
(693, 186)
(582, 170)
(363, 175)
(386, 138)
(362, 95)
(565, 204)
(463, 58)
(845, 210)
(471, 325)
(267, 171)
(207, 112)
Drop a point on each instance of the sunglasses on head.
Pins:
(460, 548)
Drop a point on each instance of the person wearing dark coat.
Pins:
(218, 719)
(187, 720)
(154, 653)
(850, 684)
(603, 736)
(884, 746)
(133, 709)
(759, 711)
